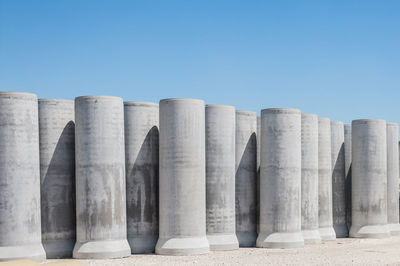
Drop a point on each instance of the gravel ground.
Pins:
(340, 252)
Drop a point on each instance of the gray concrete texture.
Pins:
(20, 225)
(347, 157)
(100, 178)
(182, 222)
(325, 213)
(246, 178)
(369, 179)
(280, 179)
(338, 179)
(392, 131)
(220, 177)
(309, 179)
(141, 162)
(57, 176)
(258, 138)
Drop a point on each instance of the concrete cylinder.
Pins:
(246, 178)
(369, 179)
(57, 176)
(182, 220)
(338, 179)
(347, 157)
(392, 130)
(100, 178)
(309, 179)
(325, 214)
(141, 162)
(220, 177)
(258, 170)
(280, 182)
(20, 232)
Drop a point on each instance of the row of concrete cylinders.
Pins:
(100, 178)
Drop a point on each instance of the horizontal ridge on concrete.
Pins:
(133, 103)
(97, 97)
(281, 111)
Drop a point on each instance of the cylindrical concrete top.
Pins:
(367, 121)
(245, 112)
(4, 94)
(97, 97)
(187, 100)
(281, 111)
(53, 100)
(229, 107)
(324, 120)
(144, 104)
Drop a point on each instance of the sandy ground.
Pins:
(339, 252)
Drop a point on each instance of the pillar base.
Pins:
(223, 242)
(143, 244)
(247, 239)
(311, 236)
(182, 246)
(58, 249)
(102, 249)
(31, 252)
(327, 233)
(280, 240)
(394, 229)
(370, 231)
(341, 231)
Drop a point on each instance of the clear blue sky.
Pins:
(339, 59)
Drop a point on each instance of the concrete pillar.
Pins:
(182, 178)
(347, 157)
(393, 178)
(246, 178)
(220, 177)
(338, 179)
(100, 178)
(57, 176)
(258, 170)
(369, 179)
(309, 179)
(20, 233)
(280, 183)
(325, 214)
(141, 162)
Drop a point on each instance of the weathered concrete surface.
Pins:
(258, 138)
(392, 131)
(246, 178)
(220, 177)
(309, 179)
(280, 182)
(141, 162)
(182, 229)
(325, 214)
(100, 178)
(347, 157)
(20, 232)
(57, 176)
(369, 179)
(338, 179)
